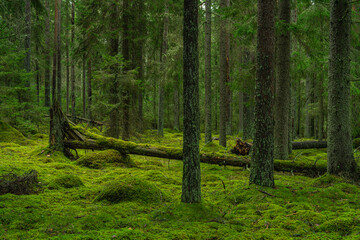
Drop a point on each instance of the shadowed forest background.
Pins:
(259, 100)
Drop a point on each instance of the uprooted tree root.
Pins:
(19, 184)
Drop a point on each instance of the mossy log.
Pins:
(98, 142)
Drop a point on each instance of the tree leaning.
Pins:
(191, 188)
(340, 154)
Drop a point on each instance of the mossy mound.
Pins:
(10, 134)
(66, 181)
(130, 189)
(326, 180)
(99, 160)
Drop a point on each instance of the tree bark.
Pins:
(47, 55)
(84, 86)
(177, 103)
(241, 113)
(224, 75)
(114, 128)
(340, 154)
(89, 89)
(162, 79)
(262, 160)
(73, 77)
(126, 56)
(67, 58)
(208, 105)
(27, 39)
(282, 97)
(58, 54)
(191, 181)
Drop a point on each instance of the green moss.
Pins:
(213, 147)
(130, 189)
(66, 181)
(342, 225)
(99, 160)
(326, 180)
(10, 134)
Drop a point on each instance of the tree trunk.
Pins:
(282, 97)
(241, 113)
(177, 103)
(114, 128)
(162, 79)
(307, 129)
(340, 154)
(73, 77)
(58, 54)
(139, 60)
(125, 88)
(191, 181)
(224, 75)
(27, 39)
(89, 89)
(248, 117)
(208, 105)
(67, 58)
(37, 75)
(262, 161)
(47, 55)
(84, 86)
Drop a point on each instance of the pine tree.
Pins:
(262, 160)
(191, 188)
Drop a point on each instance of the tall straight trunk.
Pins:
(84, 86)
(208, 72)
(89, 89)
(224, 75)
(262, 160)
(58, 54)
(177, 103)
(191, 187)
(298, 131)
(47, 55)
(114, 128)
(321, 108)
(248, 116)
(73, 77)
(67, 59)
(307, 129)
(139, 45)
(154, 104)
(126, 56)
(282, 96)
(241, 113)
(162, 79)
(27, 38)
(37, 75)
(340, 153)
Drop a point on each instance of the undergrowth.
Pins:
(115, 201)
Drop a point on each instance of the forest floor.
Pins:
(80, 199)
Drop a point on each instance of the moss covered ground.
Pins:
(142, 201)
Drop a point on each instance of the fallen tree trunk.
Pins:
(309, 144)
(101, 143)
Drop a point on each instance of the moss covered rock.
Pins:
(99, 160)
(66, 181)
(130, 189)
(10, 134)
